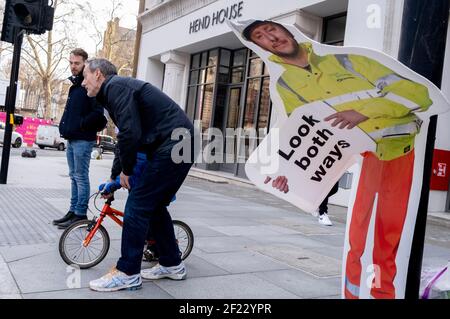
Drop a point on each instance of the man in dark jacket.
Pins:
(81, 120)
(146, 119)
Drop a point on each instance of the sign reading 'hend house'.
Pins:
(231, 12)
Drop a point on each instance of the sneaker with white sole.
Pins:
(116, 280)
(158, 272)
(325, 220)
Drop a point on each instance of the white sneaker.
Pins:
(158, 272)
(325, 220)
(116, 280)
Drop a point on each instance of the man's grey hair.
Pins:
(105, 66)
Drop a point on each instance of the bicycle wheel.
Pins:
(184, 237)
(71, 246)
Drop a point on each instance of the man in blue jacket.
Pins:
(81, 120)
(146, 119)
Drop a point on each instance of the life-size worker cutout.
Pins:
(338, 106)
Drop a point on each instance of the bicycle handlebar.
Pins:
(109, 188)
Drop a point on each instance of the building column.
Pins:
(174, 75)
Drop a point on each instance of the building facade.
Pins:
(189, 52)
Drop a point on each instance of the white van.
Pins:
(48, 136)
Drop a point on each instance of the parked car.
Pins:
(48, 136)
(16, 139)
(106, 143)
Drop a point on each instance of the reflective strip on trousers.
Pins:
(353, 289)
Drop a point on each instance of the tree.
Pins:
(45, 53)
(3, 45)
(114, 43)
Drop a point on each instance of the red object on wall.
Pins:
(29, 127)
(440, 176)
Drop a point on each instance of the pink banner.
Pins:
(29, 127)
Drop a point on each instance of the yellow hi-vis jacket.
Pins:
(354, 82)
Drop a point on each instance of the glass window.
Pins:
(239, 57)
(191, 102)
(199, 106)
(204, 59)
(237, 74)
(234, 106)
(256, 67)
(213, 56)
(211, 75)
(207, 106)
(202, 83)
(223, 75)
(266, 69)
(334, 29)
(251, 104)
(195, 61)
(225, 56)
(202, 76)
(219, 108)
(264, 105)
(194, 77)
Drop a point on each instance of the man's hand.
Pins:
(125, 181)
(103, 187)
(280, 183)
(349, 118)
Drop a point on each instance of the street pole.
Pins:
(422, 48)
(10, 104)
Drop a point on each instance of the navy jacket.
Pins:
(83, 116)
(144, 115)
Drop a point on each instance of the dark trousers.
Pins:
(147, 205)
(323, 208)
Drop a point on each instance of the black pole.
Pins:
(10, 105)
(422, 48)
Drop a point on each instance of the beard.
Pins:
(77, 73)
(292, 54)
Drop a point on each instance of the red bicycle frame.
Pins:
(107, 210)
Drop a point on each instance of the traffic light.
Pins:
(16, 119)
(34, 16)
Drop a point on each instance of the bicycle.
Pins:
(86, 243)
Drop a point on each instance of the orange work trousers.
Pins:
(391, 180)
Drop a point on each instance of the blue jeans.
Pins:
(78, 157)
(147, 205)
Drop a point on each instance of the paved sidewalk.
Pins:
(247, 244)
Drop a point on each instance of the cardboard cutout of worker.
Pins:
(335, 107)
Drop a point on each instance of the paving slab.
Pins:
(302, 284)
(242, 286)
(148, 291)
(223, 244)
(304, 259)
(8, 286)
(243, 262)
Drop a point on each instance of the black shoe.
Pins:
(66, 217)
(72, 220)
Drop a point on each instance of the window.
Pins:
(230, 89)
(202, 80)
(258, 104)
(334, 29)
